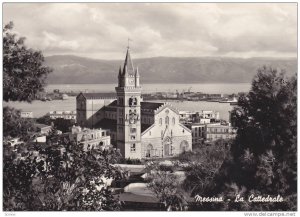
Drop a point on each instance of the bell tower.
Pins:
(129, 110)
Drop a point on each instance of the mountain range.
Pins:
(68, 69)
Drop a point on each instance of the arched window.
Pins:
(167, 120)
(173, 120)
(160, 121)
(149, 150)
(184, 145)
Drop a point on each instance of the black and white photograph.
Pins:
(149, 106)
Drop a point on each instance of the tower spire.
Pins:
(128, 43)
(128, 65)
(120, 71)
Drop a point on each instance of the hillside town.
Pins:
(194, 123)
(140, 130)
(97, 112)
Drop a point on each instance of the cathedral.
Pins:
(139, 129)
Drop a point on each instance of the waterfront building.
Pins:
(202, 117)
(69, 115)
(90, 138)
(215, 96)
(64, 96)
(210, 115)
(139, 129)
(219, 131)
(26, 114)
(186, 116)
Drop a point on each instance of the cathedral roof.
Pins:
(145, 127)
(98, 95)
(113, 103)
(151, 105)
(106, 123)
(128, 65)
(109, 108)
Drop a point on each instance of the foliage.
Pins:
(129, 161)
(14, 126)
(166, 186)
(23, 72)
(264, 154)
(59, 177)
(202, 165)
(45, 120)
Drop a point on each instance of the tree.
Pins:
(59, 177)
(264, 154)
(55, 176)
(202, 166)
(45, 120)
(23, 72)
(23, 77)
(15, 126)
(166, 186)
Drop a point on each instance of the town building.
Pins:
(90, 138)
(40, 139)
(186, 116)
(43, 129)
(14, 141)
(139, 129)
(206, 133)
(64, 96)
(198, 133)
(26, 114)
(69, 115)
(219, 131)
(203, 117)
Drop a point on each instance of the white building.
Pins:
(90, 138)
(203, 117)
(69, 115)
(219, 131)
(26, 114)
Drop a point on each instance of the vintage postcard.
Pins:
(149, 107)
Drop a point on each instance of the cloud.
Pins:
(100, 30)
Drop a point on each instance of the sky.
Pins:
(101, 30)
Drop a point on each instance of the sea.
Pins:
(214, 88)
(40, 108)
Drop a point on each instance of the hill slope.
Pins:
(78, 70)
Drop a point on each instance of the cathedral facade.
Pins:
(139, 129)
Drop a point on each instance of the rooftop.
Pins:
(41, 125)
(151, 105)
(107, 124)
(99, 95)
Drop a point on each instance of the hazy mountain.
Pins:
(79, 70)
